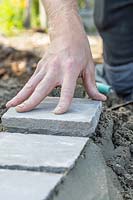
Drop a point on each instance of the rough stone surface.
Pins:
(82, 172)
(39, 152)
(88, 180)
(23, 185)
(81, 119)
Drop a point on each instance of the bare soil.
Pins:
(114, 135)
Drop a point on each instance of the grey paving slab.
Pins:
(81, 119)
(23, 185)
(21, 153)
(39, 152)
(88, 180)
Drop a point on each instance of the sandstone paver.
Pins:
(39, 152)
(81, 119)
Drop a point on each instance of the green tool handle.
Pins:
(103, 88)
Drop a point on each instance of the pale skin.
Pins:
(67, 58)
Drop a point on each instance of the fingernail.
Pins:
(57, 110)
(9, 104)
(21, 105)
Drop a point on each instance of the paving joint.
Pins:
(54, 170)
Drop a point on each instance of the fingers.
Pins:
(41, 91)
(67, 93)
(90, 85)
(27, 89)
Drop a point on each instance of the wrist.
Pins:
(65, 25)
(63, 17)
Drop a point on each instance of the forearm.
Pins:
(62, 16)
(55, 6)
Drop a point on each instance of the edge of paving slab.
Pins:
(44, 126)
(27, 185)
(46, 168)
(87, 180)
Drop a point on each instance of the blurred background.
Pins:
(18, 15)
(24, 40)
(24, 32)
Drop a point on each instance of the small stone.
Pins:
(118, 169)
(129, 180)
(131, 148)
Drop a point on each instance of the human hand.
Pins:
(67, 58)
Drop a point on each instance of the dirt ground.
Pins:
(114, 134)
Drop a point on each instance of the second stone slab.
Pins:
(34, 152)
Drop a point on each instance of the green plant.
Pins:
(35, 21)
(11, 17)
(82, 3)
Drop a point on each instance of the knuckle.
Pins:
(71, 60)
(70, 64)
(40, 64)
(53, 67)
(67, 93)
(29, 85)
